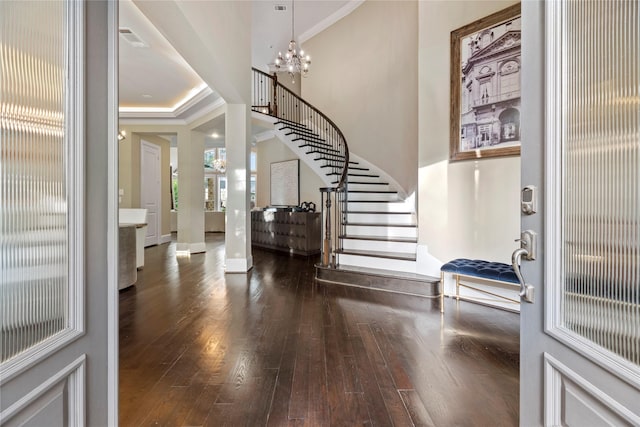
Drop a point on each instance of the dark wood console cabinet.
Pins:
(292, 232)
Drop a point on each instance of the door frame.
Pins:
(113, 336)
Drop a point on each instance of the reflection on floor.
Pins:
(273, 347)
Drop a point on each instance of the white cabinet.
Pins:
(137, 217)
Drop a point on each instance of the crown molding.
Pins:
(181, 107)
(191, 102)
(330, 20)
(154, 117)
(158, 121)
(209, 108)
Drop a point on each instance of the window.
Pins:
(510, 80)
(215, 162)
(222, 193)
(215, 180)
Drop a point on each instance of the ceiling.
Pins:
(156, 82)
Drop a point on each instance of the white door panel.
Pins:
(580, 340)
(58, 401)
(150, 190)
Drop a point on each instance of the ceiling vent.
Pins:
(280, 7)
(132, 38)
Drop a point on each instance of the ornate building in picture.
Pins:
(490, 93)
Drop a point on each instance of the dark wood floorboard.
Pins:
(273, 347)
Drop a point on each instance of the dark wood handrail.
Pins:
(341, 185)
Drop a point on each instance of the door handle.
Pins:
(526, 291)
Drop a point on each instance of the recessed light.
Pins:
(215, 135)
(146, 95)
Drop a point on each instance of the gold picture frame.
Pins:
(485, 87)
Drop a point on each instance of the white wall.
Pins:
(129, 170)
(364, 77)
(213, 222)
(466, 209)
(275, 151)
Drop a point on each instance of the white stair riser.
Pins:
(378, 218)
(364, 178)
(375, 262)
(380, 246)
(368, 187)
(363, 197)
(382, 231)
(380, 207)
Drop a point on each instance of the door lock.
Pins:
(529, 200)
(528, 241)
(527, 250)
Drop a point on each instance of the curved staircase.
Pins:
(377, 225)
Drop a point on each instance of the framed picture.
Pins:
(485, 87)
(285, 183)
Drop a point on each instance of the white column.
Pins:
(238, 257)
(190, 192)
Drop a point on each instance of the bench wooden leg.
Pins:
(457, 287)
(441, 292)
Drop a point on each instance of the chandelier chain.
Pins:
(293, 61)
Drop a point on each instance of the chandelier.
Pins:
(293, 61)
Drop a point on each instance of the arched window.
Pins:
(509, 125)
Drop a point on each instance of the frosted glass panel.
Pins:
(601, 149)
(33, 206)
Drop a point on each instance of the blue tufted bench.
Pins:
(476, 268)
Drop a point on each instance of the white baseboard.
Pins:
(426, 263)
(238, 265)
(165, 238)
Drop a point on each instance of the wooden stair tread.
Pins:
(327, 149)
(307, 138)
(402, 202)
(379, 212)
(368, 183)
(282, 121)
(334, 160)
(372, 192)
(381, 238)
(299, 131)
(379, 254)
(377, 224)
(355, 174)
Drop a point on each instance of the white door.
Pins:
(58, 262)
(150, 190)
(580, 339)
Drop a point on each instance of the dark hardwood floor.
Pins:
(273, 347)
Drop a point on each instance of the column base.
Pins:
(238, 265)
(190, 248)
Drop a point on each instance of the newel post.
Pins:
(326, 213)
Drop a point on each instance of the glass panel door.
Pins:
(34, 240)
(601, 177)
